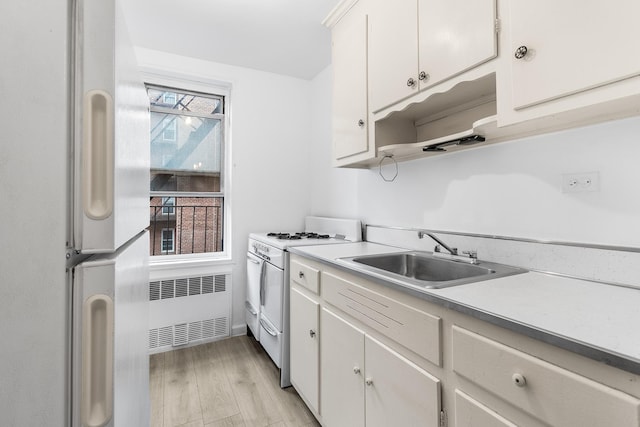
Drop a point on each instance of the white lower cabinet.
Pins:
(364, 382)
(304, 347)
(342, 359)
(470, 412)
(551, 394)
(360, 352)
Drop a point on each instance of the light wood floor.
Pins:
(222, 384)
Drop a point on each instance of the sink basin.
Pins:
(421, 269)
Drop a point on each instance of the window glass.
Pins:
(187, 185)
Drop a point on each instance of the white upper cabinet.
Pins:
(350, 109)
(415, 44)
(455, 36)
(558, 48)
(393, 51)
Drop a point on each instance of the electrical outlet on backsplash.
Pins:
(613, 265)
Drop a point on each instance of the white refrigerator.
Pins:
(74, 179)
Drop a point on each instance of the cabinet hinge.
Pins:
(497, 25)
(443, 418)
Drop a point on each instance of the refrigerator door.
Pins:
(110, 372)
(111, 182)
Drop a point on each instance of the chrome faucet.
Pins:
(471, 256)
(452, 251)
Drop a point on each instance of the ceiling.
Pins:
(278, 36)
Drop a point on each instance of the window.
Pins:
(168, 204)
(168, 238)
(169, 129)
(187, 176)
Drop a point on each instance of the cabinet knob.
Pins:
(361, 123)
(312, 333)
(411, 82)
(519, 380)
(369, 381)
(300, 274)
(521, 52)
(423, 76)
(356, 370)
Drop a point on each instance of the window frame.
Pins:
(172, 240)
(168, 208)
(188, 83)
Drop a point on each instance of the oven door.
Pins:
(271, 340)
(272, 297)
(255, 268)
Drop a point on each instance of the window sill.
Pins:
(171, 262)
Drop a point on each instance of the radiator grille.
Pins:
(194, 285)
(154, 291)
(185, 333)
(182, 289)
(167, 288)
(187, 286)
(207, 284)
(180, 334)
(220, 283)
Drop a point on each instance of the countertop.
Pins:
(596, 320)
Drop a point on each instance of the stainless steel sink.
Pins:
(424, 270)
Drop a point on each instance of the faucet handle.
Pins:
(472, 254)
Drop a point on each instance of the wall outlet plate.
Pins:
(580, 182)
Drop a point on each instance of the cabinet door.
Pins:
(398, 393)
(342, 358)
(304, 316)
(470, 412)
(349, 51)
(455, 36)
(572, 46)
(393, 51)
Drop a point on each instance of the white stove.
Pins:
(267, 302)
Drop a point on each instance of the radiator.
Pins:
(188, 311)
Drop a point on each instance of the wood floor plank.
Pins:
(233, 421)
(216, 395)
(252, 394)
(198, 423)
(228, 383)
(292, 409)
(181, 399)
(156, 389)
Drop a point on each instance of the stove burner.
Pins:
(298, 236)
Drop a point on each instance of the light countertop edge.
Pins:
(328, 254)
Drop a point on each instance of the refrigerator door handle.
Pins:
(97, 360)
(97, 155)
(263, 273)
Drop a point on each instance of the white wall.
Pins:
(510, 189)
(270, 133)
(333, 191)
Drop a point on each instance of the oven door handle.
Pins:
(268, 328)
(255, 261)
(263, 273)
(249, 307)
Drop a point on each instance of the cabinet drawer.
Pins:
(305, 276)
(470, 412)
(552, 394)
(414, 329)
